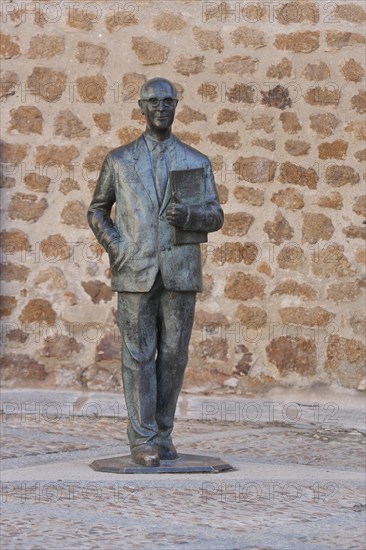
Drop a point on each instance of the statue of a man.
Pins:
(156, 279)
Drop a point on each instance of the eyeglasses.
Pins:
(155, 101)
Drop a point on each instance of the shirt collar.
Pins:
(152, 143)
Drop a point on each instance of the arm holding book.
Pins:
(205, 214)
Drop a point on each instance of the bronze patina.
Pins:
(154, 252)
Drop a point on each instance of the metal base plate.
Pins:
(184, 464)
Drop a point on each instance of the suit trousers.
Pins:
(156, 328)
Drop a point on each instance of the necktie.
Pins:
(161, 171)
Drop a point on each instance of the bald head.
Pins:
(158, 100)
(158, 87)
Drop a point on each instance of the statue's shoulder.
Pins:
(191, 152)
(124, 150)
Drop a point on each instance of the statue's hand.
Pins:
(116, 252)
(177, 213)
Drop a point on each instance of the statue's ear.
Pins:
(141, 105)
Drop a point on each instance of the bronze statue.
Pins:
(154, 252)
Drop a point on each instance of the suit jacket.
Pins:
(140, 241)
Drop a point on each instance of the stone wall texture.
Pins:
(274, 93)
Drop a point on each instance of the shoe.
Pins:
(146, 455)
(167, 450)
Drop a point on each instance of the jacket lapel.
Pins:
(179, 163)
(143, 169)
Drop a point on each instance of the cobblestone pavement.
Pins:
(298, 481)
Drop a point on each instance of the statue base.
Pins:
(184, 464)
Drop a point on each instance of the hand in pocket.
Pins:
(116, 252)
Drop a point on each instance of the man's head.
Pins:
(158, 100)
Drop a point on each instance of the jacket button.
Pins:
(162, 248)
(161, 217)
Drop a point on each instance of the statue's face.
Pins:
(158, 106)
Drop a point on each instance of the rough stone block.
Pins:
(69, 125)
(7, 305)
(168, 21)
(358, 102)
(243, 286)
(351, 12)
(102, 121)
(279, 230)
(357, 128)
(316, 227)
(298, 175)
(19, 366)
(230, 140)
(149, 52)
(91, 89)
(297, 42)
(98, 291)
(278, 97)
(237, 64)
(187, 115)
(324, 123)
(238, 223)
(359, 206)
(290, 123)
(293, 354)
(55, 247)
(269, 145)
(255, 169)
(297, 148)
(293, 288)
(74, 214)
(308, 317)
(355, 232)
(280, 70)
(26, 120)
(261, 122)
(323, 97)
(47, 83)
(297, 12)
(251, 317)
(343, 292)
(249, 195)
(26, 207)
(79, 19)
(291, 257)
(8, 47)
(45, 46)
(38, 310)
(248, 37)
(95, 54)
(127, 134)
(13, 153)
(288, 198)
(8, 83)
(187, 65)
(331, 262)
(14, 272)
(337, 176)
(333, 150)
(53, 276)
(337, 40)
(13, 241)
(346, 359)
(208, 39)
(352, 70)
(59, 155)
(333, 200)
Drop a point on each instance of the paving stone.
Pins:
(297, 483)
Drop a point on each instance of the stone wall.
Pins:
(274, 93)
